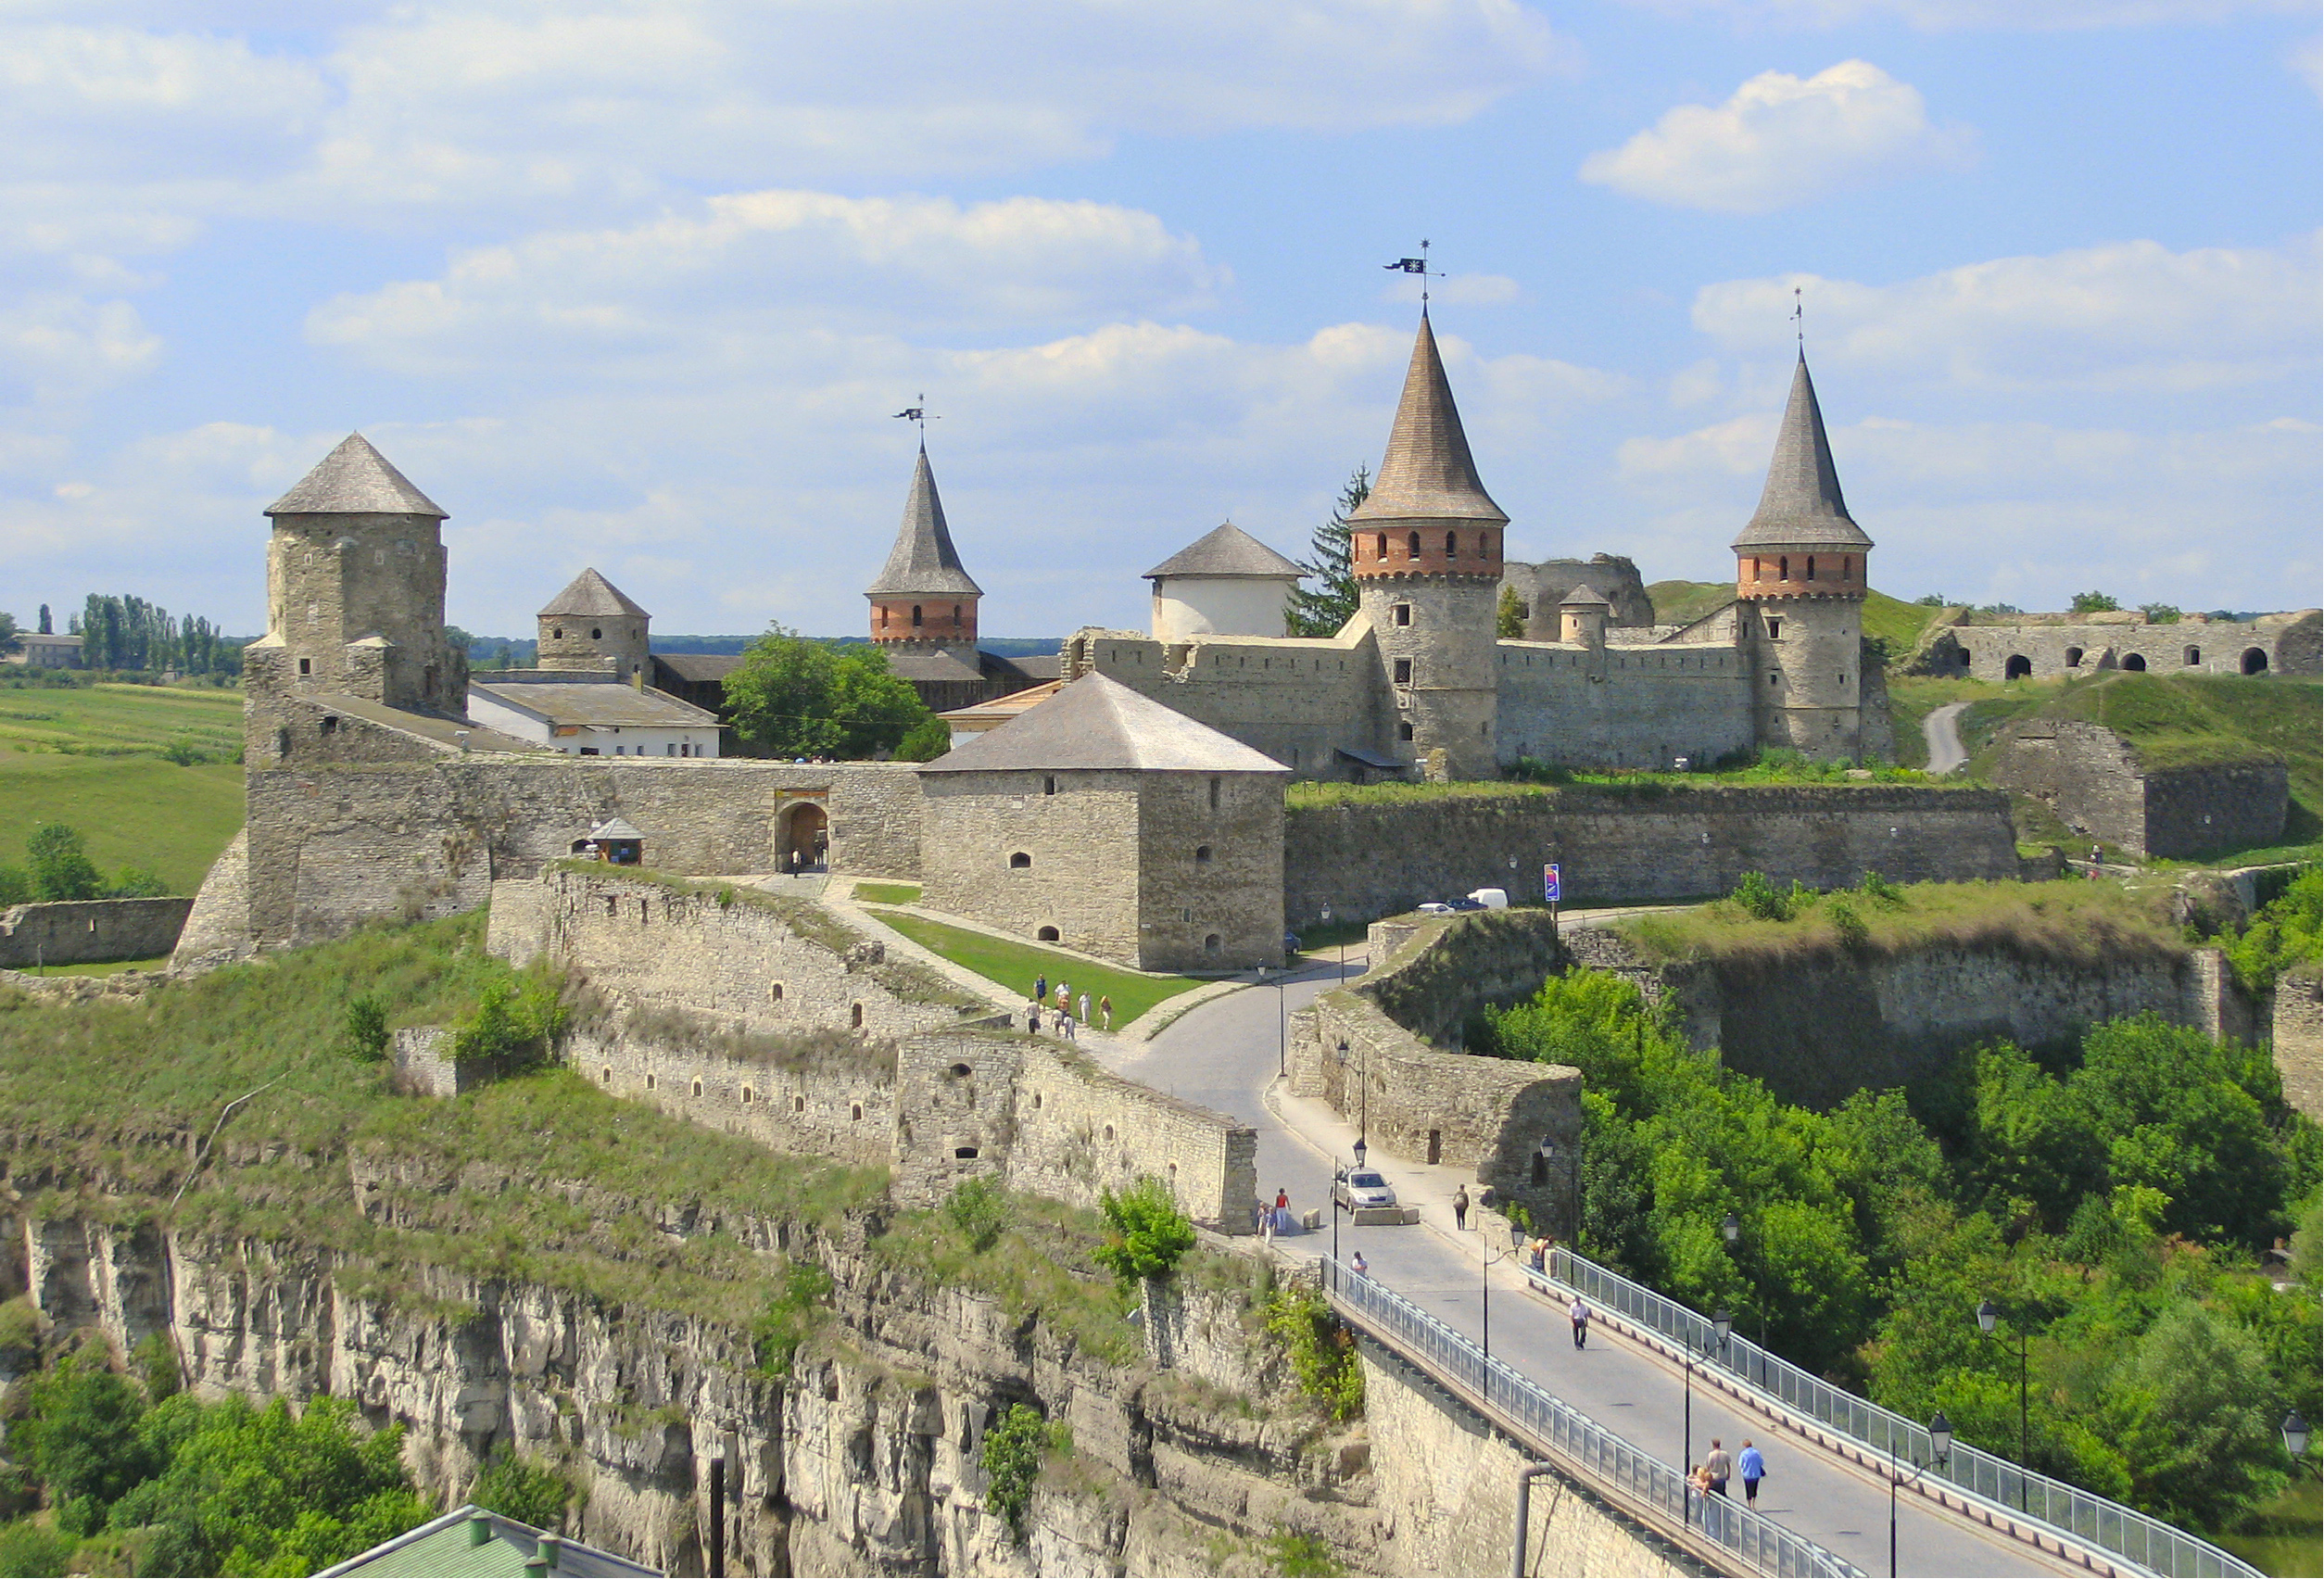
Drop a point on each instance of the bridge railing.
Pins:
(2037, 1499)
(1760, 1544)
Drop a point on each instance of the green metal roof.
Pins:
(447, 1548)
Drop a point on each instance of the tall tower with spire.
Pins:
(922, 598)
(1426, 553)
(1801, 578)
(354, 600)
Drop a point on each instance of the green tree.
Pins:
(1509, 615)
(2160, 614)
(57, 860)
(793, 697)
(30, 1552)
(47, 629)
(1326, 599)
(2195, 1414)
(365, 1035)
(15, 886)
(11, 638)
(925, 740)
(519, 1489)
(1146, 1236)
(138, 882)
(980, 1212)
(80, 1433)
(2093, 603)
(1012, 1462)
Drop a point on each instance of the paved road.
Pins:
(1942, 730)
(1224, 1055)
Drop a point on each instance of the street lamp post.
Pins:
(2295, 1435)
(1721, 1324)
(1485, 1307)
(1939, 1450)
(1732, 1230)
(1326, 913)
(1989, 1318)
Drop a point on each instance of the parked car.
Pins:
(1357, 1187)
(1433, 908)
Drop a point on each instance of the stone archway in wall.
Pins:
(2134, 663)
(802, 834)
(2255, 660)
(2017, 668)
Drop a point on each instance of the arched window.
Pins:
(2073, 657)
(1412, 546)
(605, 1075)
(855, 1016)
(799, 1105)
(1452, 544)
(597, 633)
(698, 1086)
(1202, 854)
(2194, 656)
(1049, 784)
(2017, 668)
(1810, 567)
(955, 613)
(1047, 935)
(557, 633)
(1847, 566)
(1214, 794)
(2135, 663)
(1383, 547)
(2255, 660)
(1782, 568)
(773, 991)
(1020, 860)
(960, 1071)
(1404, 731)
(916, 616)
(1212, 944)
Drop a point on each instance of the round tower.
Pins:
(592, 624)
(922, 598)
(1582, 617)
(1799, 578)
(1425, 549)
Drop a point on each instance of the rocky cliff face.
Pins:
(864, 1460)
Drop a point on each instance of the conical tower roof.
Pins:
(354, 479)
(924, 563)
(1801, 504)
(1428, 474)
(590, 593)
(1227, 551)
(1587, 596)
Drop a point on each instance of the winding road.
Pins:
(1225, 1055)
(1942, 730)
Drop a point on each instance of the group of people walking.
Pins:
(1064, 1018)
(1718, 1466)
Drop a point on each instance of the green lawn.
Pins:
(90, 757)
(110, 967)
(1015, 965)
(134, 811)
(888, 893)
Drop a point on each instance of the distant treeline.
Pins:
(512, 653)
(129, 633)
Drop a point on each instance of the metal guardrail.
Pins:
(2028, 1495)
(1758, 1543)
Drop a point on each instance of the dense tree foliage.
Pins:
(1326, 599)
(793, 697)
(57, 867)
(2111, 1199)
(130, 1469)
(129, 633)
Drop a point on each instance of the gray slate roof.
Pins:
(354, 479)
(1227, 550)
(590, 593)
(1428, 474)
(603, 706)
(1100, 723)
(923, 563)
(1584, 594)
(938, 665)
(1802, 505)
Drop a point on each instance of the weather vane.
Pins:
(1415, 266)
(918, 416)
(1798, 319)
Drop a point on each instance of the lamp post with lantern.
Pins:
(1989, 1318)
(1939, 1451)
(1721, 1325)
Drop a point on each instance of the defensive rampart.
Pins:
(89, 931)
(1419, 1101)
(1367, 859)
(2092, 779)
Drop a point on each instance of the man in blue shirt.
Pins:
(1753, 1468)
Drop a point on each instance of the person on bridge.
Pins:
(1753, 1468)
(1362, 1267)
(1720, 1467)
(1460, 1208)
(1579, 1314)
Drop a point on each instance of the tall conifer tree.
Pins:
(1326, 599)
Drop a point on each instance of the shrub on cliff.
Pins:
(980, 1210)
(1146, 1236)
(519, 1489)
(2288, 930)
(515, 1020)
(1322, 1353)
(1012, 1455)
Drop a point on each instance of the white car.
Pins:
(1362, 1187)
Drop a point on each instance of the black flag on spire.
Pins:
(1414, 266)
(918, 416)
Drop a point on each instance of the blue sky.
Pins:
(637, 285)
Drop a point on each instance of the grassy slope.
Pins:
(542, 1177)
(89, 758)
(1014, 968)
(1677, 602)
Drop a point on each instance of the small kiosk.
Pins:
(614, 840)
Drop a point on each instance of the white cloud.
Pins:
(58, 347)
(2004, 16)
(1781, 141)
(796, 266)
(2128, 316)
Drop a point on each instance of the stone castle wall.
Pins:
(2091, 778)
(1542, 587)
(2063, 645)
(89, 931)
(1298, 700)
(331, 846)
(2296, 1033)
(1623, 706)
(1367, 859)
(833, 1102)
(1079, 846)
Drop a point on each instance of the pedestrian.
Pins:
(1032, 1019)
(1085, 1008)
(1282, 1209)
(1040, 987)
(1105, 1012)
(1362, 1269)
(1064, 992)
(1460, 1208)
(1064, 1027)
(1753, 1468)
(1579, 1314)
(1720, 1466)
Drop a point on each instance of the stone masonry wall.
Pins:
(330, 847)
(1439, 970)
(1078, 882)
(2193, 812)
(1448, 1484)
(739, 959)
(1623, 707)
(1372, 859)
(1297, 701)
(833, 1102)
(2288, 642)
(2296, 1032)
(1210, 871)
(2091, 776)
(89, 931)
